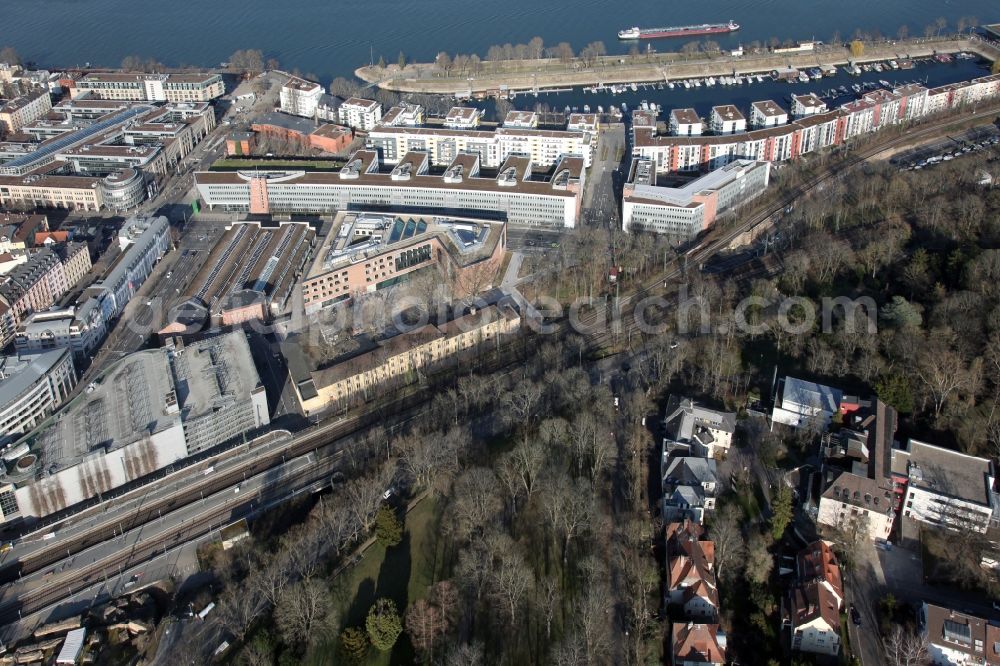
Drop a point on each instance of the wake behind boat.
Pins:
(679, 31)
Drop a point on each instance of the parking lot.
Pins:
(977, 140)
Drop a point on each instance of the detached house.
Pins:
(697, 645)
(689, 488)
(953, 638)
(696, 430)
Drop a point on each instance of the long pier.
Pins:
(659, 67)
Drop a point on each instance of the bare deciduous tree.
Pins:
(301, 609)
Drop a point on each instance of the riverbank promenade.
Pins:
(491, 77)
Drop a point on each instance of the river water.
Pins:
(330, 38)
(333, 37)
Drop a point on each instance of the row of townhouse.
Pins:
(691, 587)
(688, 150)
(813, 604)
(39, 283)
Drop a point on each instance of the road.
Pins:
(600, 203)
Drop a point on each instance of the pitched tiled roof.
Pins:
(697, 643)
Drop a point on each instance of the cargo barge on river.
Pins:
(679, 31)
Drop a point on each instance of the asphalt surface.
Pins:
(600, 201)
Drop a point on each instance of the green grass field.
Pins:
(402, 573)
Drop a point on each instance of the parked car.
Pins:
(855, 616)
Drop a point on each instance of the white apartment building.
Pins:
(31, 388)
(300, 97)
(766, 113)
(544, 147)
(727, 119)
(463, 117)
(807, 105)
(686, 122)
(362, 114)
(858, 502)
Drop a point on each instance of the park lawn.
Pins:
(402, 573)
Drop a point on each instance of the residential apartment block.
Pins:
(814, 129)
(397, 360)
(141, 87)
(84, 325)
(461, 134)
(514, 194)
(361, 114)
(20, 111)
(300, 97)
(31, 388)
(681, 213)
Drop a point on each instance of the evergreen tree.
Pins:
(384, 624)
(388, 528)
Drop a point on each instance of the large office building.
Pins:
(31, 388)
(681, 213)
(944, 488)
(140, 87)
(514, 194)
(150, 409)
(370, 251)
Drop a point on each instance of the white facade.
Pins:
(767, 114)
(300, 98)
(816, 637)
(727, 119)
(686, 122)
(32, 390)
(807, 105)
(544, 147)
(362, 114)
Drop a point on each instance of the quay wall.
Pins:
(672, 66)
